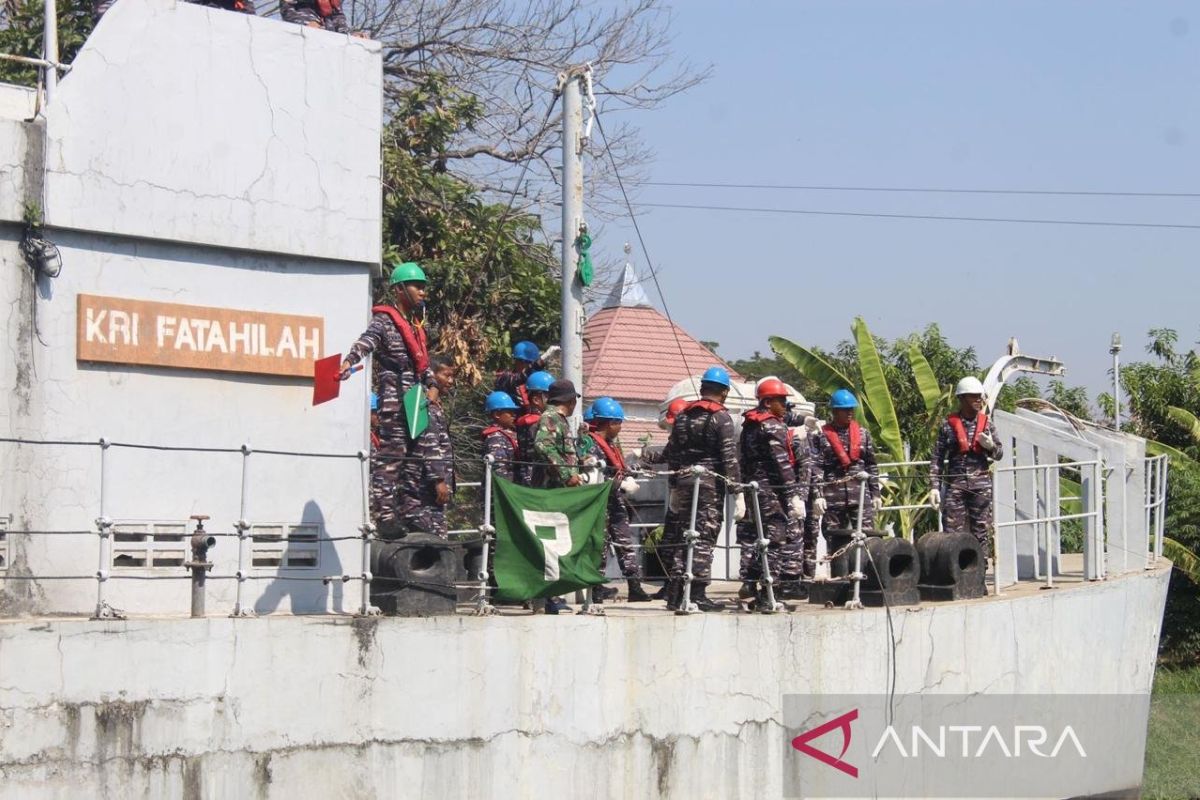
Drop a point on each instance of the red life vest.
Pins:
(711, 406)
(761, 415)
(612, 455)
(326, 8)
(836, 443)
(528, 419)
(375, 440)
(414, 337)
(960, 432)
(512, 437)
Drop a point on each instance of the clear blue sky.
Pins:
(1050, 95)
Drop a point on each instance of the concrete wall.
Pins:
(636, 706)
(202, 157)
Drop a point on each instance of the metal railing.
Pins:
(48, 66)
(1155, 506)
(1049, 524)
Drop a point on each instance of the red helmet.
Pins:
(771, 387)
(677, 405)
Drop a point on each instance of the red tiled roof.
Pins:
(631, 353)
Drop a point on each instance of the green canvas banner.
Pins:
(548, 541)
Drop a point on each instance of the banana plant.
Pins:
(904, 485)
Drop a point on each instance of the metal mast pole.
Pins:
(1115, 349)
(50, 47)
(572, 219)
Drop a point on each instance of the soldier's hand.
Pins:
(877, 503)
(432, 394)
(344, 371)
(739, 507)
(443, 493)
(935, 499)
(986, 441)
(798, 510)
(629, 486)
(820, 505)
(574, 480)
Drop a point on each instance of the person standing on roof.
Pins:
(842, 452)
(963, 453)
(500, 444)
(768, 457)
(537, 388)
(326, 14)
(602, 443)
(396, 337)
(702, 436)
(554, 451)
(526, 360)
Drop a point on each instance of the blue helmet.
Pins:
(590, 414)
(607, 408)
(526, 351)
(539, 381)
(374, 401)
(716, 375)
(499, 401)
(843, 398)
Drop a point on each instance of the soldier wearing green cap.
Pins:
(396, 337)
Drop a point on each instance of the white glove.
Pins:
(629, 486)
(935, 499)
(877, 503)
(986, 441)
(550, 352)
(739, 508)
(819, 507)
(584, 478)
(798, 509)
(812, 423)
(634, 452)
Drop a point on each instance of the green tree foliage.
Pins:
(21, 35)
(491, 271)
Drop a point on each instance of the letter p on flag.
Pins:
(842, 723)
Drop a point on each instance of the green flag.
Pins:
(416, 410)
(548, 541)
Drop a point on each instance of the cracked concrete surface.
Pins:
(647, 706)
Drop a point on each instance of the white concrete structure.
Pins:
(641, 705)
(200, 157)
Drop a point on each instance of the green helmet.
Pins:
(406, 272)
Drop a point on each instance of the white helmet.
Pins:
(968, 385)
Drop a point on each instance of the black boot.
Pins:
(790, 588)
(636, 593)
(604, 592)
(748, 590)
(703, 601)
(674, 594)
(663, 593)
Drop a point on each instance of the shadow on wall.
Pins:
(308, 595)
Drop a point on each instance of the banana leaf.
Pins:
(927, 384)
(809, 364)
(1158, 449)
(1184, 560)
(877, 395)
(1185, 419)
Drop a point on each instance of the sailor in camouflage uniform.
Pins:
(842, 450)
(703, 435)
(602, 442)
(500, 443)
(396, 336)
(528, 471)
(427, 474)
(327, 14)
(526, 361)
(767, 457)
(961, 465)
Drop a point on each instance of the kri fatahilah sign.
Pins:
(118, 330)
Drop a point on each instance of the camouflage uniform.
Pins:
(618, 536)
(967, 479)
(502, 446)
(842, 495)
(394, 375)
(554, 449)
(527, 471)
(512, 383)
(800, 551)
(812, 523)
(244, 6)
(767, 456)
(305, 12)
(701, 436)
(430, 462)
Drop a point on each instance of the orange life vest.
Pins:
(414, 337)
(836, 443)
(960, 432)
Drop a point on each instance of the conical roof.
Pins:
(628, 292)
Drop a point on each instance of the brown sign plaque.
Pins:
(118, 330)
